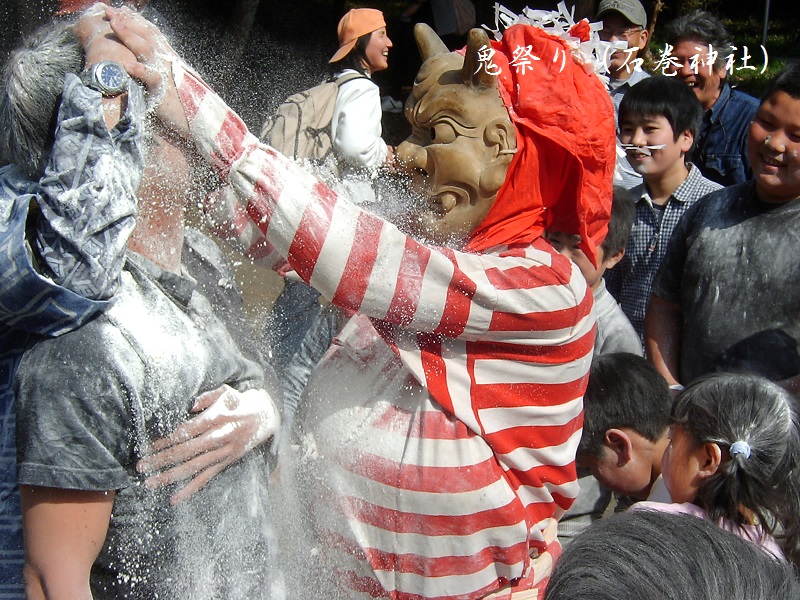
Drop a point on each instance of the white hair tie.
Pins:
(740, 447)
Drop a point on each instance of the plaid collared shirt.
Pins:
(631, 280)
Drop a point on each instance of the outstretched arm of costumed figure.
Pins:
(229, 425)
(356, 260)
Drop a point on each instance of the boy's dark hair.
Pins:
(624, 391)
(705, 28)
(356, 58)
(788, 81)
(663, 96)
(623, 211)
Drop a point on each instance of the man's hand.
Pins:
(152, 65)
(99, 42)
(93, 30)
(229, 425)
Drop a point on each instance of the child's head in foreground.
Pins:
(659, 118)
(626, 418)
(734, 450)
(660, 556)
(611, 251)
(773, 141)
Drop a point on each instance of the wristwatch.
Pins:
(107, 77)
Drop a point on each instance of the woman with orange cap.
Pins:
(356, 125)
(300, 329)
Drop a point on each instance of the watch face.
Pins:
(112, 76)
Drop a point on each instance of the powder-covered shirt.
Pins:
(732, 265)
(90, 401)
(452, 405)
(62, 246)
(614, 331)
(631, 280)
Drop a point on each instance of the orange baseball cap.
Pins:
(357, 22)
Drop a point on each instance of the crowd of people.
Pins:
(591, 304)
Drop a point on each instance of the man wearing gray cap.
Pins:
(623, 21)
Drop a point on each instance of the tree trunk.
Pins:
(237, 32)
(585, 9)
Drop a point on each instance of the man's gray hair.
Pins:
(703, 27)
(30, 94)
(662, 556)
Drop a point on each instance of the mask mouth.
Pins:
(646, 150)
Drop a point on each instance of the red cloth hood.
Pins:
(561, 177)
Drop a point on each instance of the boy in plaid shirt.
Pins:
(658, 122)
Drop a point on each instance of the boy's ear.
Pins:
(612, 260)
(620, 444)
(686, 140)
(709, 458)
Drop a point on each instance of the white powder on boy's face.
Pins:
(646, 150)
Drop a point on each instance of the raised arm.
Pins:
(87, 197)
(358, 261)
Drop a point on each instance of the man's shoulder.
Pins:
(727, 195)
(744, 99)
(637, 76)
(719, 205)
(614, 330)
(101, 346)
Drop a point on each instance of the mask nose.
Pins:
(411, 156)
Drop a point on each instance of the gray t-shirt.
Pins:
(614, 331)
(89, 400)
(733, 263)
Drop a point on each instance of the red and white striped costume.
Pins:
(448, 412)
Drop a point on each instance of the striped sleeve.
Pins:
(361, 262)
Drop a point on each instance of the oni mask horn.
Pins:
(428, 42)
(430, 45)
(472, 73)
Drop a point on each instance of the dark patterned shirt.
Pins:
(62, 247)
(720, 150)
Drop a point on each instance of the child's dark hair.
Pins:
(760, 474)
(623, 212)
(356, 58)
(788, 81)
(662, 96)
(624, 390)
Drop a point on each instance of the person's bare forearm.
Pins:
(663, 332)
